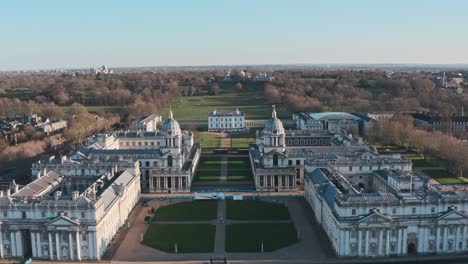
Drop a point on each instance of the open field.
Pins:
(190, 238)
(256, 210)
(443, 176)
(249, 237)
(210, 163)
(251, 101)
(208, 140)
(421, 162)
(188, 211)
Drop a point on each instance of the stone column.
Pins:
(405, 241)
(387, 246)
(400, 238)
(347, 243)
(380, 242)
(1, 243)
(445, 238)
(359, 252)
(90, 246)
(13, 243)
(33, 243)
(367, 243)
(38, 243)
(70, 244)
(57, 244)
(457, 238)
(19, 244)
(51, 250)
(438, 229)
(78, 245)
(463, 237)
(151, 188)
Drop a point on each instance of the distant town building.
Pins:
(101, 70)
(52, 127)
(452, 125)
(226, 121)
(147, 123)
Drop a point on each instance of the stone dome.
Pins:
(171, 126)
(274, 124)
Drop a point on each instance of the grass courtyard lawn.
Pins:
(444, 177)
(251, 101)
(239, 175)
(208, 175)
(190, 238)
(242, 142)
(238, 163)
(449, 181)
(209, 163)
(188, 211)
(249, 237)
(256, 210)
(421, 162)
(208, 140)
(438, 173)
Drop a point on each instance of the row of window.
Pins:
(225, 119)
(140, 143)
(43, 214)
(394, 210)
(226, 126)
(275, 181)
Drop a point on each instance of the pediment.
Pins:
(273, 152)
(452, 215)
(62, 221)
(375, 218)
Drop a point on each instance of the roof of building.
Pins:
(332, 115)
(40, 187)
(234, 113)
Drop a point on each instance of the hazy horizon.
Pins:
(54, 34)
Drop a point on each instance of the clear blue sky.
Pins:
(61, 33)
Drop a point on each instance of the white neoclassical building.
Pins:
(394, 212)
(279, 156)
(226, 121)
(168, 157)
(68, 216)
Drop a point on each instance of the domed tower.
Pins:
(172, 135)
(273, 134)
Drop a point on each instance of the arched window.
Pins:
(169, 161)
(275, 160)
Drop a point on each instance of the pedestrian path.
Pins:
(220, 236)
(224, 169)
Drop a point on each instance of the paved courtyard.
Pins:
(311, 245)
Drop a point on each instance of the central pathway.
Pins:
(224, 169)
(220, 237)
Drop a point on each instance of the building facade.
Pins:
(70, 216)
(147, 123)
(226, 121)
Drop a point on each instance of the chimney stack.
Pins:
(75, 195)
(57, 195)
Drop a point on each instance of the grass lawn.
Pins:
(190, 238)
(256, 210)
(449, 181)
(238, 162)
(240, 175)
(249, 237)
(188, 211)
(251, 101)
(209, 163)
(421, 162)
(208, 175)
(208, 140)
(439, 173)
(242, 142)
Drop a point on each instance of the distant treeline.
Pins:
(148, 92)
